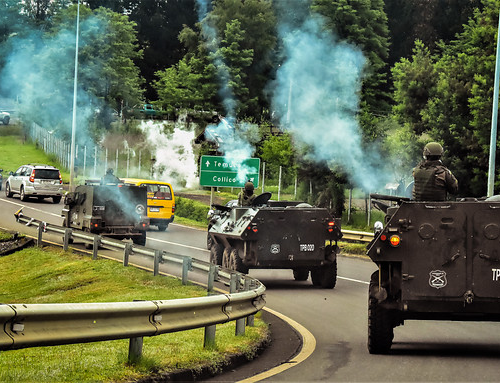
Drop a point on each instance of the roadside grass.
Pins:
(50, 275)
(16, 152)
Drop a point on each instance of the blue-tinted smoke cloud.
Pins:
(211, 38)
(39, 73)
(234, 141)
(236, 144)
(316, 97)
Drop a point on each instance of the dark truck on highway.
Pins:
(436, 261)
(276, 235)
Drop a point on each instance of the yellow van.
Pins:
(161, 201)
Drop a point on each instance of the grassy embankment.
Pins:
(52, 276)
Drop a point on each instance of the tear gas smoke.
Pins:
(173, 152)
(39, 73)
(316, 97)
(235, 142)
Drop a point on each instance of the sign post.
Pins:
(217, 171)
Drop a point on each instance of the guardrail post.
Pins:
(250, 318)
(187, 264)
(95, 246)
(156, 267)
(135, 349)
(209, 339)
(40, 232)
(212, 271)
(67, 237)
(126, 253)
(234, 286)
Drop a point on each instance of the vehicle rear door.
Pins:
(434, 257)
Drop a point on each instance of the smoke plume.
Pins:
(316, 98)
(175, 161)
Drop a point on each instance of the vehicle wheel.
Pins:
(56, 199)
(6, 120)
(300, 274)
(216, 254)
(8, 193)
(236, 263)
(325, 276)
(162, 227)
(210, 241)
(226, 256)
(140, 240)
(380, 330)
(22, 194)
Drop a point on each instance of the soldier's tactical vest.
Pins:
(427, 187)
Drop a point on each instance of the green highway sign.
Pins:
(220, 171)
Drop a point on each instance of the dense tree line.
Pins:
(428, 71)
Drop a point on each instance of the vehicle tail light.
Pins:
(331, 224)
(383, 237)
(395, 240)
(32, 176)
(173, 208)
(60, 178)
(253, 228)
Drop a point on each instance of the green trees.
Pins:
(448, 97)
(39, 68)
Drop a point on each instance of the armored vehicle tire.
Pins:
(236, 263)
(56, 199)
(162, 227)
(216, 254)
(226, 255)
(300, 274)
(380, 330)
(140, 240)
(210, 241)
(8, 193)
(325, 276)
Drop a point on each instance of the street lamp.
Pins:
(73, 125)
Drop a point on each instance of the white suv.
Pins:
(38, 181)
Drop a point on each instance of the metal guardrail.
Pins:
(33, 325)
(360, 236)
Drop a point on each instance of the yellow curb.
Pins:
(308, 347)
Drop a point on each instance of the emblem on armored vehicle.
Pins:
(275, 248)
(437, 279)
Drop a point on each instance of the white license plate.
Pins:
(154, 209)
(306, 247)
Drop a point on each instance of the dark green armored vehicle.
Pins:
(277, 235)
(436, 261)
(113, 210)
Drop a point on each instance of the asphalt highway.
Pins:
(332, 322)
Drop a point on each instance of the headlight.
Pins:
(140, 209)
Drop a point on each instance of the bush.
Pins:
(191, 209)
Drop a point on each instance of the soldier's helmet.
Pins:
(249, 186)
(433, 150)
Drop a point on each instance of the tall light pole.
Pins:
(73, 125)
(494, 120)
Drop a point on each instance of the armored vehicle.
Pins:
(436, 261)
(113, 210)
(277, 235)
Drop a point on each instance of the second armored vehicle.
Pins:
(277, 235)
(436, 261)
(114, 210)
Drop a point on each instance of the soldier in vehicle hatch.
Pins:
(246, 196)
(433, 180)
(110, 178)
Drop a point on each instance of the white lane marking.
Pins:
(354, 280)
(32, 208)
(178, 244)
